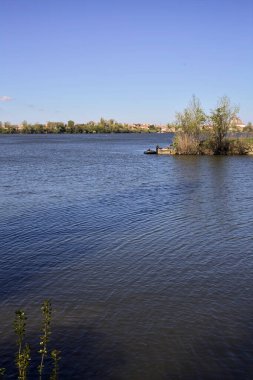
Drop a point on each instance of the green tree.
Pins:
(222, 119)
(38, 128)
(55, 127)
(190, 124)
(192, 119)
(70, 126)
(26, 128)
(24, 124)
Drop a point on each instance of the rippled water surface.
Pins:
(148, 260)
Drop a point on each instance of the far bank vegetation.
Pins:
(201, 134)
(54, 127)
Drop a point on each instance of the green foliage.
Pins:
(46, 309)
(23, 361)
(185, 144)
(192, 119)
(196, 136)
(55, 127)
(103, 126)
(23, 356)
(19, 327)
(190, 124)
(2, 372)
(154, 129)
(55, 355)
(70, 124)
(239, 146)
(221, 119)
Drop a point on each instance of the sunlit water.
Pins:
(148, 260)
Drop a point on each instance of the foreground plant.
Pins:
(23, 355)
(55, 355)
(24, 361)
(44, 338)
(2, 372)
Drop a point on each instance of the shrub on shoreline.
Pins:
(184, 145)
(200, 134)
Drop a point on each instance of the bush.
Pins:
(186, 144)
(238, 146)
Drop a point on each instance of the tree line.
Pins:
(103, 126)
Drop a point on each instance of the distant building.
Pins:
(236, 122)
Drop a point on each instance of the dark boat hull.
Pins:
(150, 151)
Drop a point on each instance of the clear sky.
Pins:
(131, 60)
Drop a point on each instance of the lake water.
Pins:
(148, 260)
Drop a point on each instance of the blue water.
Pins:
(148, 260)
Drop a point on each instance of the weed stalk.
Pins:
(46, 309)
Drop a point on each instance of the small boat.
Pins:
(150, 151)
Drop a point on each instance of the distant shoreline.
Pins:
(102, 126)
(83, 133)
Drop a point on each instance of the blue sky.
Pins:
(134, 61)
